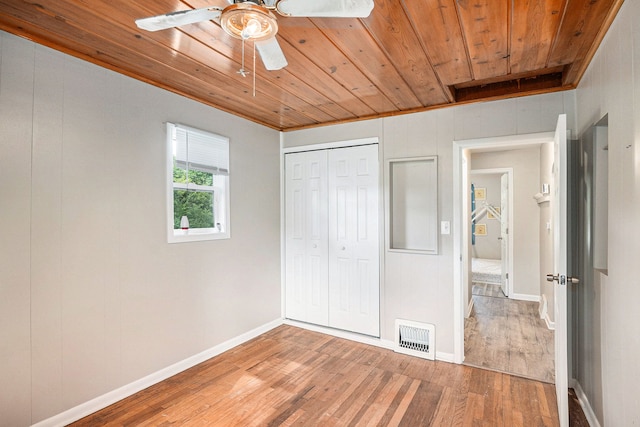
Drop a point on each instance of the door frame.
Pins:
(509, 172)
(461, 150)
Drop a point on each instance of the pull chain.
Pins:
(244, 72)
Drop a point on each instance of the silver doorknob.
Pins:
(315, 246)
(344, 248)
(556, 278)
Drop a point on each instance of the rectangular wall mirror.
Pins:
(413, 205)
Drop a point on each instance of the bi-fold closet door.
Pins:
(332, 238)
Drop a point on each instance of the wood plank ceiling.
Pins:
(407, 56)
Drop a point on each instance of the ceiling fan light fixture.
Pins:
(252, 28)
(248, 21)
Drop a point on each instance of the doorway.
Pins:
(503, 328)
(463, 152)
(491, 242)
(557, 227)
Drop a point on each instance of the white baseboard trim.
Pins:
(469, 308)
(351, 336)
(550, 323)
(363, 339)
(544, 313)
(584, 403)
(525, 297)
(542, 308)
(445, 357)
(101, 402)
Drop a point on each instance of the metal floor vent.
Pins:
(415, 339)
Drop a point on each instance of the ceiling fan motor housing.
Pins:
(258, 2)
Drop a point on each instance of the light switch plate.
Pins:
(445, 227)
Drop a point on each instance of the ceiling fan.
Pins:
(254, 20)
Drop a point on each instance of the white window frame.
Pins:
(221, 203)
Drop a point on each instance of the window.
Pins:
(197, 185)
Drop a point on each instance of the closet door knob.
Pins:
(344, 248)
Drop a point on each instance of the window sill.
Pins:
(196, 235)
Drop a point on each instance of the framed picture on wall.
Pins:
(480, 193)
(481, 229)
(490, 214)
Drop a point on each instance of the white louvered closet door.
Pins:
(354, 284)
(306, 237)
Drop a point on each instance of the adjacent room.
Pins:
(260, 212)
(507, 324)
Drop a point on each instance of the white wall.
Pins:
(420, 287)
(612, 85)
(526, 214)
(91, 295)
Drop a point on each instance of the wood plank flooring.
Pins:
(291, 376)
(487, 290)
(508, 335)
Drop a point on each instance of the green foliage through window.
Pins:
(195, 177)
(196, 205)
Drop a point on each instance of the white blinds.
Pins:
(198, 150)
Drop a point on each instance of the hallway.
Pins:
(508, 336)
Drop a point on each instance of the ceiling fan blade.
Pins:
(325, 8)
(271, 54)
(181, 17)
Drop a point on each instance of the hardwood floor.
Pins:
(509, 336)
(291, 376)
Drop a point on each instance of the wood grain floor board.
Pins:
(377, 396)
(293, 377)
(384, 406)
(423, 405)
(506, 402)
(401, 409)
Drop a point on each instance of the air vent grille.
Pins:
(415, 339)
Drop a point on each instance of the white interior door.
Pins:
(504, 233)
(559, 276)
(306, 237)
(354, 290)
